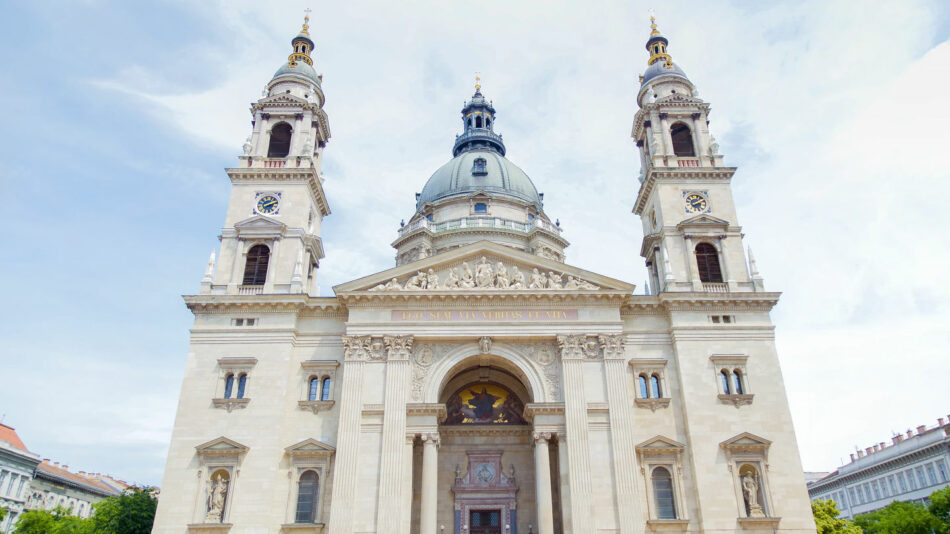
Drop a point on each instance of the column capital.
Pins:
(398, 347)
(430, 437)
(612, 345)
(542, 436)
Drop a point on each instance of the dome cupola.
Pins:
(660, 62)
(478, 120)
(299, 61)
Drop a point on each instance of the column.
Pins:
(542, 477)
(348, 438)
(630, 517)
(430, 483)
(724, 264)
(407, 485)
(391, 473)
(690, 261)
(578, 447)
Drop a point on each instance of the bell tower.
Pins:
(692, 238)
(271, 242)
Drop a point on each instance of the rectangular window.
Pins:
(19, 489)
(3, 477)
(911, 481)
(877, 492)
(867, 492)
(900, 482)
(931, 474)
(10, 485)
(853, 498)
(920, 477)
(892, 484)
(727, 318)
(942, 469)
(883, 484)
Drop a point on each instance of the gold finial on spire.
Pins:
(306, 22)
(656, 45)
(478, 85)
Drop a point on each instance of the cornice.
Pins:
(687, 174)
(690, 301)
(306, 174)
(301, 304)
(483, 298)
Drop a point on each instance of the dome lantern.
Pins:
(478, 121)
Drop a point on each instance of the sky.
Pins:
(121, 117)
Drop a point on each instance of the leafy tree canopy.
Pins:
(940, 508)
(826, 514)
(899, 518)
(130, 513)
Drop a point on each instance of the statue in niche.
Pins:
(554, 280)
(467, 281)
(458, 472)
(517, 279)
(501, 276)
(750, 490)
(452, 281)
(484, 344)
(432, 280)
(217, 491)
(538, 281)
(484, 276)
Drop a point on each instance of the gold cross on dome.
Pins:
(478, 85)
(306, 17)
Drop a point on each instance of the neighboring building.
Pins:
(54, 485)
(811, 476)
(482, 385)
(16, 470)
(912, 467)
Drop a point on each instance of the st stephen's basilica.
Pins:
(482, 385)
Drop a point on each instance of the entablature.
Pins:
(682, 174)
(305, 174)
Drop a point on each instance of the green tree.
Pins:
(940, 508)
(3, 513)
(130, 513)
(826, 517)
(56, 521)
(899, 518)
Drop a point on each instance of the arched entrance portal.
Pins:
(488, 455)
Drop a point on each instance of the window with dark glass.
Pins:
(737, 379)
(663, 494)
(279, 145)
(644, 392)
(478, 122)
(314, 389)
(325, 395)
(479, 167)
(682, 141)
(307, 497)
(655, 387)
(242, 385)
(707, 259)
(481, 207)
(255, 268)
(724, 375)
(228, 385)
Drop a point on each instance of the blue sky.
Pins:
(121, 116)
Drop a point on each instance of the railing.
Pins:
(687, 162)
(713, 287)
(250, 290)
(480, 222)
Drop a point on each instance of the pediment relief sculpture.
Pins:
(487, 275)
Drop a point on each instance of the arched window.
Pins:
(655, 387)
(279, 140)
(724, 375)
(314, 388)
(325, 392)
(228, 385)
(255, 269)
(487, 123)
(470, 122)
(682, 141)
(242, 385)
(737, 380)
(481, 207)
(644, 392)
(307, 497)
(478, 122)
(707, 259)
(663, 494)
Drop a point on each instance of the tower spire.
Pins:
(656, 46)
(302, 44)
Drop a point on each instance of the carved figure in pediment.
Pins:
(484, 276)
(432, 280)
(584, 284)
(417, 281)
(501, 276)
(571, 283)
(452, 282)
(467, 281)
(538, 280)
(554, 280)
(517, 278)
(393, 285)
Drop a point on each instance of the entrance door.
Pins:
(485, 522)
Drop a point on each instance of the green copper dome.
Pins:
(479, 170)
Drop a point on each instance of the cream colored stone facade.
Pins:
(362, 390)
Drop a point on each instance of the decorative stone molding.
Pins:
(612, 345)
(484, 345)
(321, 367)
(579, 346)
(316, 406)
(652, 404)
(209, 528)
(237, 364)
(430, 437)
(302, 528)
(398, 347)
(667, 525)
(423, 356)
(746, 444)
(422, 408)
(533, 409)
(756, 523)
(736, 400)
(231, 404)
(487, 276)
(221, 450)
(542, 436)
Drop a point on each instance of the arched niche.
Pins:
(451, 371)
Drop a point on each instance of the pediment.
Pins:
(260, 226)
(660, 443)
(221, 445)
(703, 221)
(283, 99)
(678, 98)
(745, 441)
(484, 267)
(310, 447)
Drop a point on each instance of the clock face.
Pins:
(267, 204)
(696, 203)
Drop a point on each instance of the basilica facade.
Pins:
(482, 385)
